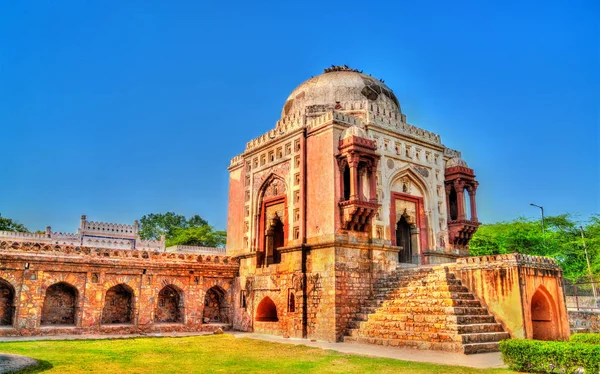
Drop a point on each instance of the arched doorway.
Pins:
(266, 311)
(543, 317)
(59, 305)
(169, 308)
(275, 238)
(7, 296)
(215, 310)
(403, 239)
(118, 305)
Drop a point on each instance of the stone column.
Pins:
(472, 190)
(342, 167)
(459, 186)
(353, 164)
(373, 182)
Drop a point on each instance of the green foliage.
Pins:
(179, 230)
(7, 224)
(536, 356)
(561, 241)
(586, 338)
(204, 236)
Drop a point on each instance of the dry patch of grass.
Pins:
(201, 354)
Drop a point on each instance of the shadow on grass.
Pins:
(41, 366)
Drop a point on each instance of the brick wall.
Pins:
(64, 289)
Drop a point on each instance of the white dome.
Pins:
(338, 85)
(456, 161)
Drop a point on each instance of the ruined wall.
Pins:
(64, 289)
(506, 284)
(357, 268)
(584, 321)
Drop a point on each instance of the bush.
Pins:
(537, 356)
(586, 338)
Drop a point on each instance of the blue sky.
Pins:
(116, 109)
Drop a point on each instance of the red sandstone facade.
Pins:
(327, 209)
(53, 289)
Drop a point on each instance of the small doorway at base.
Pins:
(404, 240)
(266, 311)
(543, 318)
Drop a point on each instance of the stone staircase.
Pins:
(425, 308)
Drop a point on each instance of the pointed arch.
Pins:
(544, 319)
(60, 304)
(409, 221)
(271, 232)
(169, 307)
(414, 177)
(266, 310)
(265, 186)
(215, 306)
(118, 304)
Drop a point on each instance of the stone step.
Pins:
(430, 318)
(428, 327)
(480, 348)
(418, 344)
(429, 296)
(484, 337)
(422, 289)
(479, 327)
(428, 302)
(429, 310)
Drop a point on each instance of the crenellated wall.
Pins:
(44, 276)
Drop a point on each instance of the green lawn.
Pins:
(203, 354)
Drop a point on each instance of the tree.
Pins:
(7, 224)
(179, 230)
(204, 236)
(561, 241)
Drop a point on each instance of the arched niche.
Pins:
(266, 311)
(7, 297)
(215, 308)
(60, 304)
(118, 305)
(272, 225)
(543, 316)
(169, 307)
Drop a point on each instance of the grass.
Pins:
(201, 354)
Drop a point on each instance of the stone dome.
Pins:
(354, 131)
(338, 84)
(456, 161)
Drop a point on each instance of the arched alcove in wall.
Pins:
(59, 305)
(118, 305)
(543, 316)
(7, 296)
(408, 215)
(215, 309)
(266, 311)
(169, 308)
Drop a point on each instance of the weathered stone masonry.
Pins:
(66, 289)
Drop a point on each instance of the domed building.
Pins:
(343, 175)
(347, 166)
(340, 203)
